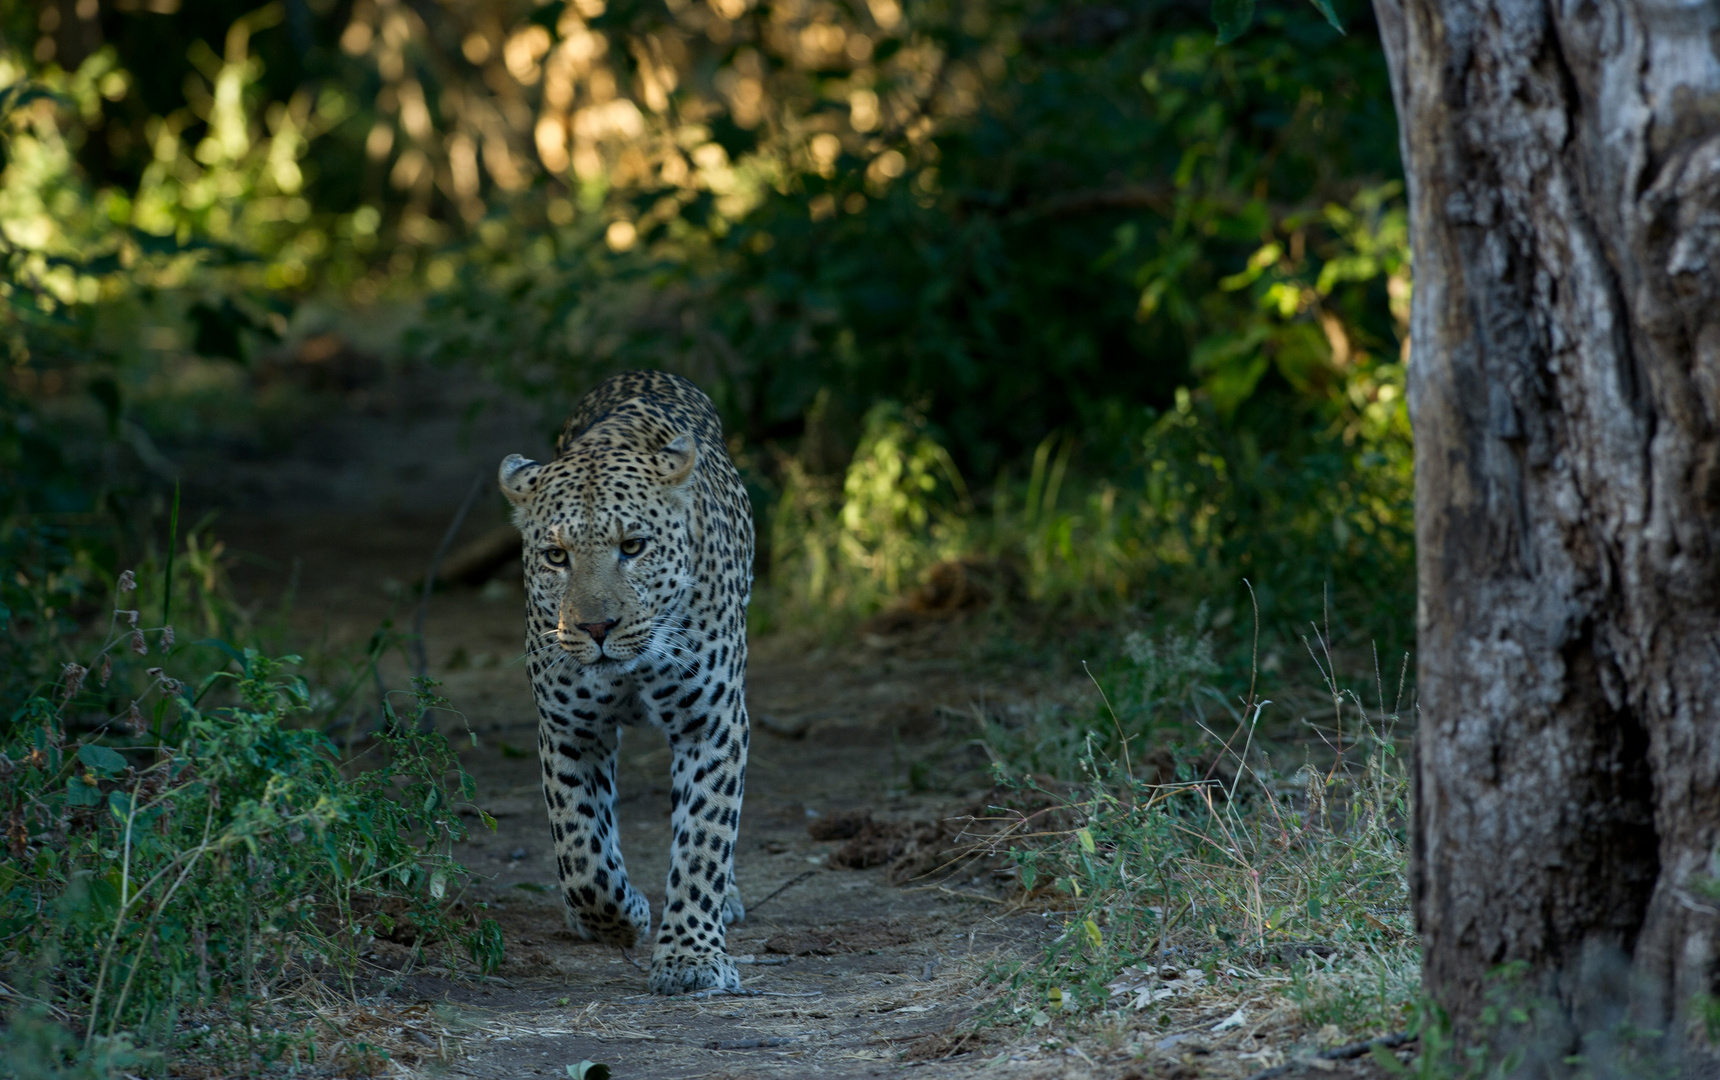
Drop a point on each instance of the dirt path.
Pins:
(859, 977)
(868, 972)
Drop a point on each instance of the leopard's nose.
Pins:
(598, 630)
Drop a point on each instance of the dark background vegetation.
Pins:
(1073, 296)
(1180, 262)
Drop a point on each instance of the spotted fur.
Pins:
(638, 548)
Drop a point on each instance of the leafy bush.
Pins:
(850, 542)
(1197, 508)
(1015, 217)
(1185, 260)
(194, 846)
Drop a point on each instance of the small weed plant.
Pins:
(1182, 866)
(182, 858)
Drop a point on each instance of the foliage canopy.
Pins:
(1013, 219)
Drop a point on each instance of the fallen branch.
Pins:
(420, 652)
(706, 995)
(780, 889)
(749, 1044)
(1340, 1053)
(958, 895)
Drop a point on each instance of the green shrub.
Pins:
(848, 544)
(1196, 508)
(195, 846)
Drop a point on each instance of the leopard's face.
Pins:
(607, 552)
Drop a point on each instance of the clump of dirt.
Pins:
(323, 363)
(831, 940)
(975, 839)
(941, 1045)
(952, 587)
(871, 842)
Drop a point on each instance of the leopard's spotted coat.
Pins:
(638, 548)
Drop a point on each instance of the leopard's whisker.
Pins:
(670, 644)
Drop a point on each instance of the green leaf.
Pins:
(1387, 1060)
(233, 654)
(79, 793)
(589, 1070)
(102, 759)
(487, 947)
(1324, 7)
(1232, 18)
(1086, 838)
(1091, 929)
(19, 94)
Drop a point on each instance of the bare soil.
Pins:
(871, 971)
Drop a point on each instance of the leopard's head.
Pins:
(607, 531)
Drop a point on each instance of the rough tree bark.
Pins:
(1564, 185)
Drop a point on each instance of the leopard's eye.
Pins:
(632, 547)
(555, 556)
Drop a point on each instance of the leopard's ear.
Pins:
(518, 478)
(677, 459)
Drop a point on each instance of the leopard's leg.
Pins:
(578, 742)
(708, 780)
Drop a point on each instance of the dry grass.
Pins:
(1226, 906)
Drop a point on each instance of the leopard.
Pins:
(637, 541)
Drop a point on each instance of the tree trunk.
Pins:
(1564, 189)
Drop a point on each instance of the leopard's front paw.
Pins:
(625, 924)
(576, 924)
(684, 973)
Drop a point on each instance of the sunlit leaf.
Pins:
(1324, 7)
(1387, 1060)
(102, 759)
